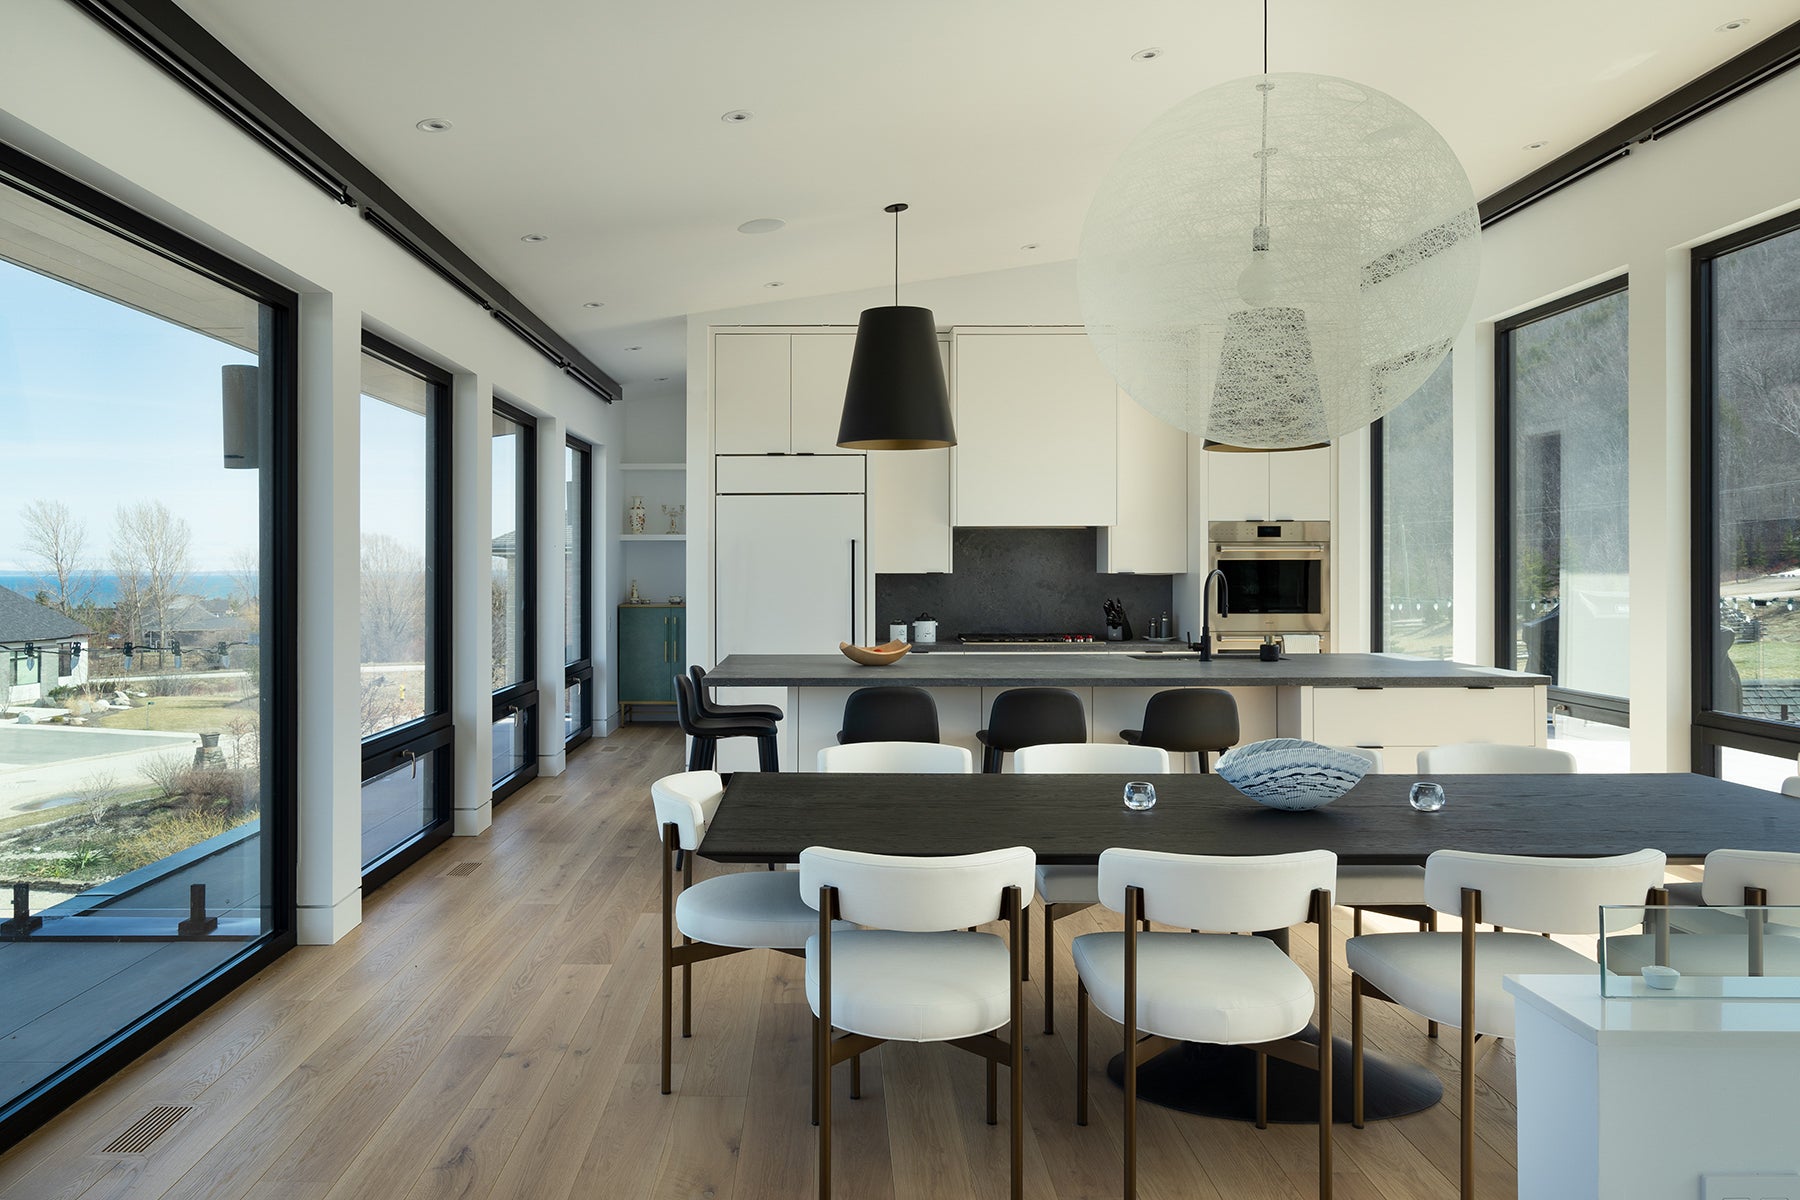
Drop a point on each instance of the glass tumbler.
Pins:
(1140, 795)
(1426, 797)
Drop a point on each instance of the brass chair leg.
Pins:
(1081, 1053)
(668, 1018)
(815, 1072)
(1262, 1090)
(1431, 1029)
(1025, 943)
(1356, 922)
(687, 994)
(1049, 968)
(856, 1077)
(1356, 1051)
(824, 1099)
(993, 1093)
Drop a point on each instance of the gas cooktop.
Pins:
(1021, 639)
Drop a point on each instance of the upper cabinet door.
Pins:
(1237, 486)
(909, 507)
(1150, 537)
(751, 374)
(1036, 430)
(1300, 485)
(821, 369)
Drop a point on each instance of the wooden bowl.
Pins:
(875, 656)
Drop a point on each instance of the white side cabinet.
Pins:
(1287, 485)
(1036, 429)
(1150, 536)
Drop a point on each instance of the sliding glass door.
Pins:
(514, 599)
(578, 588)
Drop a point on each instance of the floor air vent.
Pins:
(147, 1128)
(463, 868)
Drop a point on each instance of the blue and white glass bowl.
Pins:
(1291, 774)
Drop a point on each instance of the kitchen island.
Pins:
(1392, 702)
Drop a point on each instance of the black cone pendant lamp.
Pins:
(896, 398)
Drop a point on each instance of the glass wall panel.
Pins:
(515, 742)
(511, 556)
(144, 680)
(403, 690)
(575, 549)
(1567, 584)
(398, 682)
(1755, 651)
(1417, 566)
(1766, 771)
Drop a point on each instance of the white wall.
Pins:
(72, 94)
(1727, 170)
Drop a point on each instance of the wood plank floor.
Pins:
(494, 1033)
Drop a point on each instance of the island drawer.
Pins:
(1413, 717)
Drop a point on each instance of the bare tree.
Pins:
(56, 539)
(99, 792)
(150, 556)
(393, 600)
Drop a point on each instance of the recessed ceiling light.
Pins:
(1147, 53)
(1733, 26)
(433, 125)
(595, 304)
(1029, 246)
(762, 225)
(773, 283)
(737, 116)
(535, 237)
(634, 347)
(1536, 145)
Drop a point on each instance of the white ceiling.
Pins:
(597, 122)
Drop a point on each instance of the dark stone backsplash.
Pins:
(1021, 581)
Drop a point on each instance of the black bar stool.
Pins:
(1031, 716)
(889, 714)
(706, 731)
(709, 709)
(1201, 720)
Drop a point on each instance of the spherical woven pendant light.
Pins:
(1279, 260)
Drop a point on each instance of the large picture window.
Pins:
(146, 634)
(1413, 518)
(404, 688)
(514, 599)
(1747, 503)
(1561, 407)
(578, 587)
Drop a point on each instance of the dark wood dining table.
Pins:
(1070, 819)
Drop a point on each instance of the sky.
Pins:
(103, 405)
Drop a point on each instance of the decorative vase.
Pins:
(636, 512)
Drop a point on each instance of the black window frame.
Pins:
(1712, 731)
(280, 560)
(522, 698)
(578, 673)
(1587, 706)
(434, 732)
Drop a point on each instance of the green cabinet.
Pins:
(652, 651)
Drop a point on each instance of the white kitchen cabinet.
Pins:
(750, 393)
(1150, 536)
(1300, 485)
(1286, 485)
(1036, 429)
(909, 506)
(821, 370)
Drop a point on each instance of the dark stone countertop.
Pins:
(1098, 646)
(1108, 670)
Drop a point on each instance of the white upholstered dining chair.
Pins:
(916, 975)
(746, 910)
(917, 758)
(1069, 889)
(1455, 978)
(1492, 758)
(1381, 885)
(1213, 987)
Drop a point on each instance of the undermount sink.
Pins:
(1155, 655)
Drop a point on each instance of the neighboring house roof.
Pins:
(23, 619)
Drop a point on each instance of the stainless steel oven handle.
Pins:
(1289, 548)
